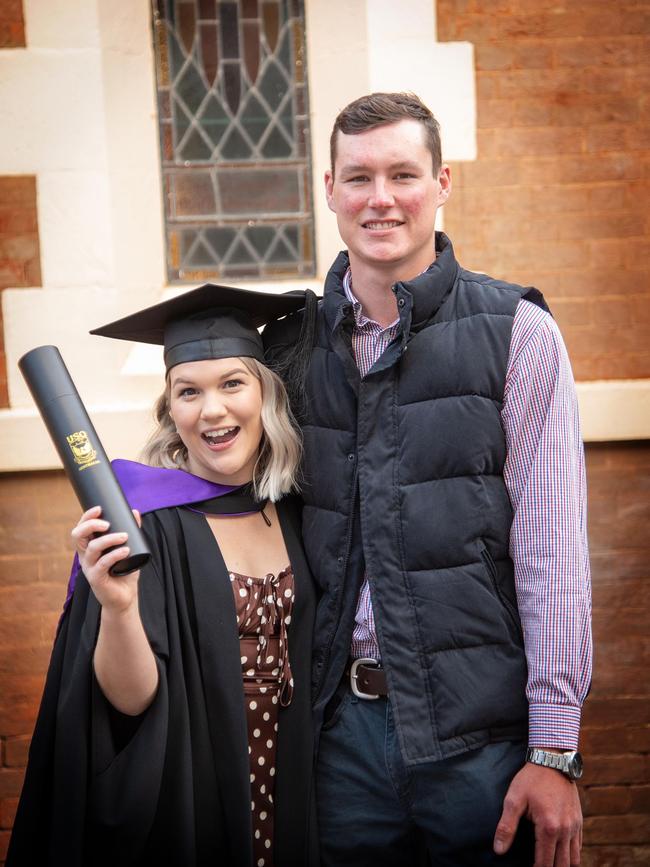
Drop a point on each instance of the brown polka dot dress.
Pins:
(264, 608)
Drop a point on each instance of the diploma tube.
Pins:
(82, 454)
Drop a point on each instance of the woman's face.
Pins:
(216, 406)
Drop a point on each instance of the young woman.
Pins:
(175, 725)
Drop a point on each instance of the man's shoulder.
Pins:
(478, 278)
(477, 281)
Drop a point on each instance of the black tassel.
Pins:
(292, 365)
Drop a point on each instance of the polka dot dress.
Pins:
(264, 608)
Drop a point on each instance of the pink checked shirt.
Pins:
(545, 477)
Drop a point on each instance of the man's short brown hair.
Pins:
(378, 109)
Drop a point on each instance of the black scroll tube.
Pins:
(84, 459)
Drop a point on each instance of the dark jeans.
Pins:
(375, 812)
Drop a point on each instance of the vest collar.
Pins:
(422, 296)
(427, 291)
(335, 302)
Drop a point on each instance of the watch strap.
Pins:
(562, 762)
(536, 756)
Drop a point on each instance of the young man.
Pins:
(445, 523)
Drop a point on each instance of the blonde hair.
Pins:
(277, 468)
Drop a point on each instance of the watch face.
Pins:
(575, 766)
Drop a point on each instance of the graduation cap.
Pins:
(206, 323)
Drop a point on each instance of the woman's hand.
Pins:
(116, 595)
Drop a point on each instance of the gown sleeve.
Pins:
(127, 754)
(90, 787)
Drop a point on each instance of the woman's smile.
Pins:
(219, 439)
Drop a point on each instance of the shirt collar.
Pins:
(360, 319)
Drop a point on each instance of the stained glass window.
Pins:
(233, 114)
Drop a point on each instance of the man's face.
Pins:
(385, 196)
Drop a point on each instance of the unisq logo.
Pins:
(82, 450)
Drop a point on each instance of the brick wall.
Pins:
(12, 24)
(616, 726)
(38, 509)
(20, 262)
(558, 195)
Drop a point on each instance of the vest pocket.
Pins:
(512, 613)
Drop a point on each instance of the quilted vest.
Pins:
(404, 482)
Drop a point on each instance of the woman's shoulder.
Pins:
(150, 489)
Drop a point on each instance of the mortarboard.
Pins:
(209, 322)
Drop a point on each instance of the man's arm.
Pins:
(545, 477)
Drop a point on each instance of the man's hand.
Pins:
(552, 804)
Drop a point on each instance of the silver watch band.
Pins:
(568, 763)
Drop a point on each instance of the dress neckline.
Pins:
(281, 573)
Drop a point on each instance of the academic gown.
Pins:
(170, 787)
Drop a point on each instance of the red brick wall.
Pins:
(37, 511)
(20, 262)
(616, 725)
(558, 195)
(12, 24)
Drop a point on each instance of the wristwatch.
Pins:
(569, 764)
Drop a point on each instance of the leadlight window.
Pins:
(233, 114)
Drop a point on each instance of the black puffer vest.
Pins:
(404, 480)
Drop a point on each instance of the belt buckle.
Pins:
(363, 660)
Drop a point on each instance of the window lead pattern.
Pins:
(233, 117)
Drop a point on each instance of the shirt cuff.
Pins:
(554, 725)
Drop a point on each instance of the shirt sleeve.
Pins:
(545, 477)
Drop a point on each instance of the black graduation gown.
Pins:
(170, 787)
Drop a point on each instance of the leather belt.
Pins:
(367, 678)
